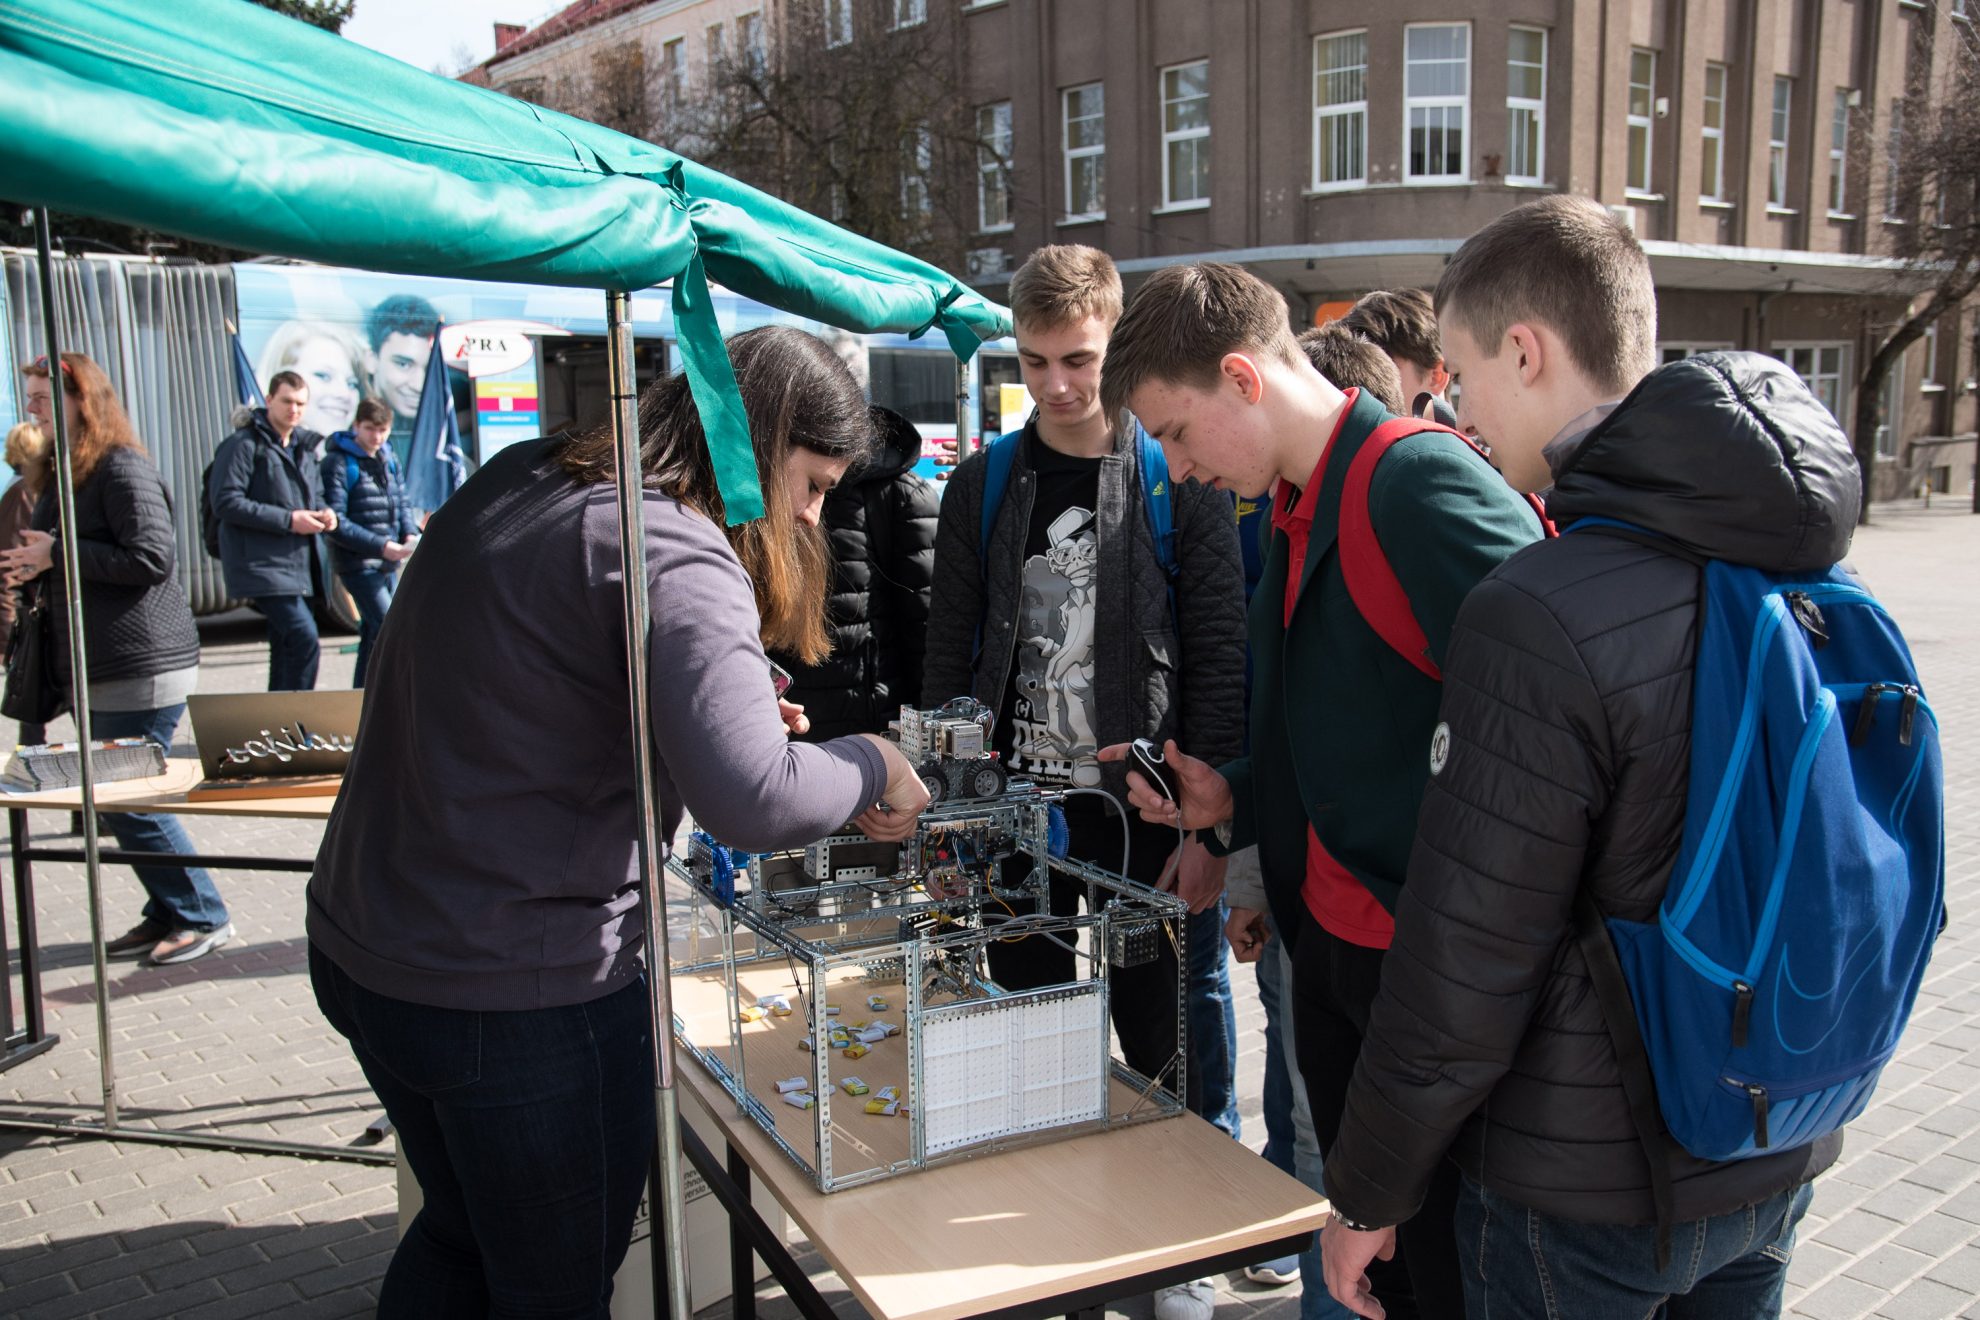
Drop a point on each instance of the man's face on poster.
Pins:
(401, 372)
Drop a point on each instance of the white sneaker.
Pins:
(1195, 1300)
(185, 945)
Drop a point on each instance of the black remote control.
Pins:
(1147, 758)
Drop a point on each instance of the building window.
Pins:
(910, 13)
(1777, 143)
(1436, 101)
(749, 41)
(1186, 134)
(673, 71)
(1839, 154)
(1085, 111)
(1526, 105)
(1340, 110)
(716, 50)
(1712, 164)
(917, 160)
(837, 201)
(1642, 104)
(1890, 413)
(1930, 345)
(838, 22)
(993, 166)
(1894, 165)
(1820, 367)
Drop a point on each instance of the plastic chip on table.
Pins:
(799, 1099)
(876, 1003)
(854, 1051)
(878, 1106)
(751, 1013)
(853, 1086)
(789, 1084)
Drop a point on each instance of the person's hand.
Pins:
(1346, 1252)
(306, 522)
(945, 453)
(903, 798)
(795, 720)
(1246, 932)
(328, 517)
(34, 556)
(1206, 796)
(1194, 876)
(397, 551)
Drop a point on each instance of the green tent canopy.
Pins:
(223, 121)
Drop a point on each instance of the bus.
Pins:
(523, 360)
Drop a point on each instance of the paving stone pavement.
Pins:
(233, 1044)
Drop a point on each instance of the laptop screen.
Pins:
(251, 734)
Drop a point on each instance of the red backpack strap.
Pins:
(1378, 597)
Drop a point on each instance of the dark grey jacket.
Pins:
(1568, 699)
(257, 483)
(1148, 682)
(136, 622)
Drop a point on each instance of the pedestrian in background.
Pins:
(375, 531)
(269, 502)
(27, 454)
(143, 650)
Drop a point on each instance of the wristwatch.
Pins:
(1221, 831)
(1345, 1222)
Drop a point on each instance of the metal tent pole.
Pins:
(667, 1238)
(65, 500)
(964, 367)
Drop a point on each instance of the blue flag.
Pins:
(245, 385)
(436, 464)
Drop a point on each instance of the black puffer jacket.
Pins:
(881, 522)
(1568, 700)
(135, 618)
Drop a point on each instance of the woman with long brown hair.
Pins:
(474, 917)
(142, 647)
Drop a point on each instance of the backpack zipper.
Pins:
(1860, 733)
(1809, 615)
(1742, 1013)
(1758, 1095)
(1906, 713)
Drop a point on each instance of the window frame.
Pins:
(999, 168)
(1646, 123)
(750, 50)
(674, 84)
(1069, 153)
(1780, 130)
(909, 14)
(1784, 352)
(922, 152)
(1442, 101)
(1172, 136)
(1929, 342)
(1686, 348)
(1714, 133)
(1324, 113)
(838, 33)
(1535, 107)
(1839, 153)
(1894, 163)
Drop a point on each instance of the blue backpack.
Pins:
(1770, 991)
(1157, 501)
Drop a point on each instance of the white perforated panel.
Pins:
(1008, 1066)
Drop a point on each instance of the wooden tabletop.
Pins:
(167, 793)
(1024, 1225)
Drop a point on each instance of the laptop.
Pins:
(274, 743)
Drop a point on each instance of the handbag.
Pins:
(34, 691)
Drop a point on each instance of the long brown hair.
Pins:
(797, 394)
(101, 422)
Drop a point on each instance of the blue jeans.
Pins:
(371, 591)
(530, 1133)
(1212, 1021)
(1519, 1263)
(292, 646)
(183, 898)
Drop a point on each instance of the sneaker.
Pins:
(185, 945)
(1195, 1300)
(1274, 1273)
(138, 940)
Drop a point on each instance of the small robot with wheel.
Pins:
(950, 749)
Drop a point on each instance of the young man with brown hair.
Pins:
(1330, 788)
(1350, 359)
(1561, 770)
(1059, 608)
(1402, 323)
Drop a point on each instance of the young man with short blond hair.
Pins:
(1562, 772)
(1329, 790)
(1065, 619)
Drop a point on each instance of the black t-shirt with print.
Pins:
(1045, 719)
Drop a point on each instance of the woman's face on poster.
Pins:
(334, 387)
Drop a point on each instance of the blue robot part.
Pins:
(1058, 836)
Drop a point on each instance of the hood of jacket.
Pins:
(1726, 453)
(896, 449)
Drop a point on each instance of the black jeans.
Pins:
(1143, 999)
(293, 651)
(530, 1134)
(1334, 985)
